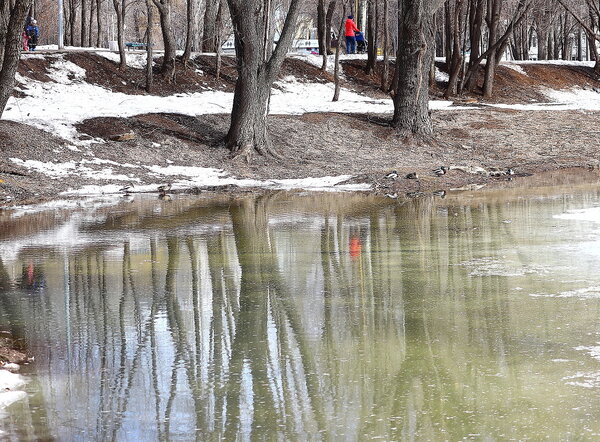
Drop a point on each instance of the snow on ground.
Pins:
(515, 67)
(572, 99)
(69, 99)
(134, 60)
(441, 76)
(9, 385)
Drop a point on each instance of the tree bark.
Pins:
(210, 36)
(168, 65)
(372, 32)
(191, 31)
(257, 69)
(149, 43)
(336, 69)
(100, 34)
(415, 35)
(385, 73)
(119, 6)
(10, 46)
(493, 21)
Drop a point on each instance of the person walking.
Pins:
(350, 39)
(32, 32)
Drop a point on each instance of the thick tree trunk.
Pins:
(168, 65)
(248, 130)
(415, 35)
(476, 12)
(493, 21)
(257, 68)
(10, 42)
(210, 35)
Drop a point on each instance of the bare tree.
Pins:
(11, 25)
(149, 43)
(257, 65)
(168, 64)
(120, 7)
(192, 29)
(413, 61)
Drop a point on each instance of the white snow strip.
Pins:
(58, 170)
(582, 293)
(591, 214)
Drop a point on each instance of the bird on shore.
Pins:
(392, 175)
(163, 188)
(127, 189)
(441, 170)
(510, 171)
(412, 176)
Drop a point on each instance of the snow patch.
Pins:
(136, 61)
(515, 67)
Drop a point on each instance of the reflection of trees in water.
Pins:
(261, 331)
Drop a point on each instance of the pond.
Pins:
(308, 316)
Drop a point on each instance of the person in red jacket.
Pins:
(350, 39)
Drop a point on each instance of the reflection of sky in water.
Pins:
(195, 321)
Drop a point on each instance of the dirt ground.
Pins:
(318, 144)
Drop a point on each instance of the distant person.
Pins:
(350, 39)
(24, 41)
(32, 32)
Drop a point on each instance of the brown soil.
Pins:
(316, 144)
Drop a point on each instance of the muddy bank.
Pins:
(313, 145)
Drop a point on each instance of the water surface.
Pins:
(334, 317)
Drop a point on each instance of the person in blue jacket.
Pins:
(32, 32)
(361, 46)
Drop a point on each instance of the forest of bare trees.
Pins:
(465, 33)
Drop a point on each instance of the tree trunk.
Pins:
(493, 21)
(119, 6)
(100, 34)
(84, 17)
(415, 34)
(372, 31)
(168, 65)
(476, 12)
(191, 31)
(210, 16)
(336, 69)
(219, 22)
(10, 45)
(385, 73)
(149, 42)
(257, 68)
(456, 59)
(328, 21)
